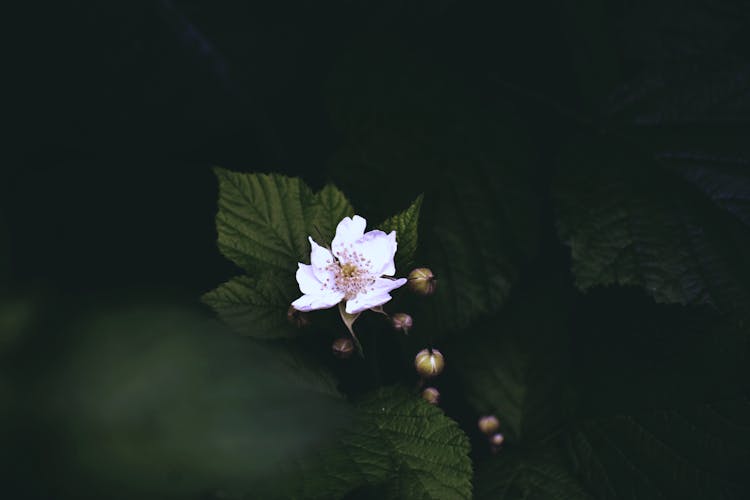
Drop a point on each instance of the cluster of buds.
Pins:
(490, 425)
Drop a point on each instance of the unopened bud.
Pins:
(401, 322)
(342, 348)
(297, 318)
(497, 439)
(429, 363)
(431, 395)
(489, 424)
(422, 281)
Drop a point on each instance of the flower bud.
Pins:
(422, 281)
(431, 395)
(342, 348)
(488, 424)
(497, 439)
(429, 363)
(297, 318)
(401, 322)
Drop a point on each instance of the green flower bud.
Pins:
(429, 363)
(422, 282)
(401, 322)
(488, 424)
(431, 395)
(297, 318)
(342, 348)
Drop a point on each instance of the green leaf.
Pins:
(410, 124)
(629, 223)
(264, 220)
(330, 208)
(695, 452)
(515, 364)
(540, 475)
(256, 307)
(163, 403)
(406, 226)
(397, 443)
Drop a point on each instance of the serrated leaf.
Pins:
(264, 220)
(406, 225)
(541, 475)
(627, 224)
(330, 207)
(691, 453)
(255, 307)
(397, 443)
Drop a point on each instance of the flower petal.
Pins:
(320, 259)
(377, 295)
(311, 302)
(378, 249)
(308, 282)
(348, 231)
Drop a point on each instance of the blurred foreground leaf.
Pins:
(163, 404)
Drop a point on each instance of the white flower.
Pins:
(352, 271)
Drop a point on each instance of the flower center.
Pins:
(348, 277)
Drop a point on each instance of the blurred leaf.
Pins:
(540, 475)
(256, 307)
(397, 443)
(264, 220)
(674, 30)
(696, 452)
(406, 225)
(163, 404)
(15, 316)
(4, 254)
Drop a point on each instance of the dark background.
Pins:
(119, 111)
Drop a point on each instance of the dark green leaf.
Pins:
(628, 224)
(330, 207)
(406, 225)
(540, 475)
(256, 307)
(413, 128)
(515, 365)
(264, 220)
(691, 453)
(397, 443)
